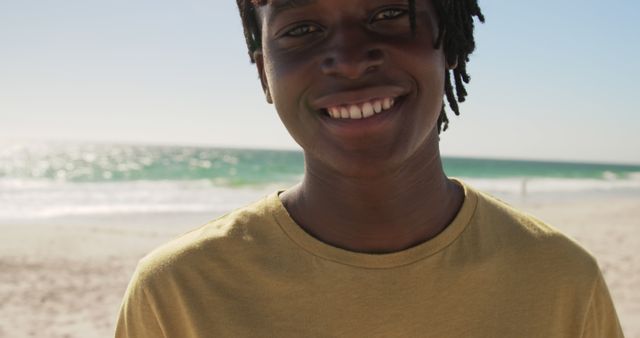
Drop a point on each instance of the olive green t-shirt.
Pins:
(493, 272)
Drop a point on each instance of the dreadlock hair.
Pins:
(455, 34)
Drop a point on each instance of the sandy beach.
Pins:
(66, 278)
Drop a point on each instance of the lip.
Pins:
(357, 96)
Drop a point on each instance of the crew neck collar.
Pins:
(375, 261)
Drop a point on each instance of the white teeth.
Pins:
(363, 110)
(377, 106)
(367, 110)
(386, 103)
(355, 112)
(344, 113)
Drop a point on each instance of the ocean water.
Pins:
(41, 181)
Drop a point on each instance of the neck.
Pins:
(386, 213)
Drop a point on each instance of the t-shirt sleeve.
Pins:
(601, 319)
(137, 316)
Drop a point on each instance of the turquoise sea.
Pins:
(51, 180)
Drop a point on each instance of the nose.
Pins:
(352, 54)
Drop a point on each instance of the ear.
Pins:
(259, 59)
(452, 65)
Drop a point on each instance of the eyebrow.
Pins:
(283, 5)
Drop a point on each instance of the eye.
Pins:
(301, 30)
(388, 14)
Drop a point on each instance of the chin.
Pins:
(364, 165)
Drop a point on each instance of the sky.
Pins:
(551, 80)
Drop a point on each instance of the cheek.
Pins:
(429, 67)
(289, 80)
(286, 78)
(431, 92)
(286, 66)
(432, 76)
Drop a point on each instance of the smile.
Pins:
(361, 110)
(360, 104)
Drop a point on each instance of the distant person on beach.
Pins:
(375, 241)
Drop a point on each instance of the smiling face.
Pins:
(353, 86)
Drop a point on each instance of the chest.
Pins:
(334, 304)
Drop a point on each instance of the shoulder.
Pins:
(527, 241)
(240, 232)
(539, 264)
(193, 261)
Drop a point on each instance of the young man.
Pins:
(375, 241)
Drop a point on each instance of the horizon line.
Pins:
(299, 150)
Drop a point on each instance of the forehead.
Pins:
(279, 5)
(276, 6)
